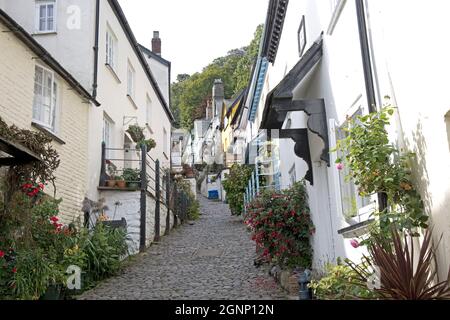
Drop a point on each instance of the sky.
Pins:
(195, 32)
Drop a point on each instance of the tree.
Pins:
(189, 93)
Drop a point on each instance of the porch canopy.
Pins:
(12, 154)
(281, 100)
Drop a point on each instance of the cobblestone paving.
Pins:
(212, 259)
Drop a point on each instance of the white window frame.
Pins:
(111, 48)
(131, 81)
(336, 7)
(46, 4)
(53, 107)
(148, 111)
(107, 133)
(364, 213)
(165, 142)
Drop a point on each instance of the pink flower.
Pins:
(2, 254)
(340, 166)
(354, 243)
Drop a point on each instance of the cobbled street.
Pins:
(212, 259)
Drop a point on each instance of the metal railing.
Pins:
(151, 180)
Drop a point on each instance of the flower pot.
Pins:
(54, 292)
(110, 183)
(133, 185)
(122, 184)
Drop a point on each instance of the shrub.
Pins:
(341, 283)
(193, 211)
(234, 185)
(282, 226)
(104, 247)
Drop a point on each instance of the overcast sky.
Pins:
(195, 32)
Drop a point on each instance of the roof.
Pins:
(273, 28)
(154, 55)
(137, 49)
(44, 55)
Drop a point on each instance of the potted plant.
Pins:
(136, 133)
(112, 173)
(132, 177)
(150, 143)
(120, 182)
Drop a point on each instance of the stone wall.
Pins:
(127, 204)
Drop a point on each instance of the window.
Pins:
(292, 176)
(165, 142)
(353, 205)
(131, 75)
(45, 98)
(45, 16)
(148, 111)
(301, 37)
(111, 49)
(107, 133)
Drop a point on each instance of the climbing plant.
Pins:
(377, 166)
(34, 172)
(235, 184)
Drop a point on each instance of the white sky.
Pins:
(194, 32)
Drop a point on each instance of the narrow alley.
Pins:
(211, 259)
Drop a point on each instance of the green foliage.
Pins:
(282, 226)
(377, 166)
(341, 282)
(190, 93)
(104, 246)
(235, 184)
(194, 205)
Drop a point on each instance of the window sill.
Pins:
(48, 133)
(149, 128)
(130, 98)
(113, 72)
(355, 230)
(42, 33)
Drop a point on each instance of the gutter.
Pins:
(44, 55)
(97, 30)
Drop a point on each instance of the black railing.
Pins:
(144, 173)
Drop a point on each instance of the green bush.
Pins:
(234, 185)
(104, 247)
(282, 226)
(340, 283)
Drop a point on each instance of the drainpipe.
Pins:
(97, 30)
(368, 75)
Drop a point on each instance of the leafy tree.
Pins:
(190, 92)
(235, 187)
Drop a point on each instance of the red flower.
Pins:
(54, 219)
(2, 254)
(14, 270)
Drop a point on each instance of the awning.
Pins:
(280, 101)
(15, 154)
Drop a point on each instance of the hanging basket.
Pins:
(136, 133)
(150, 143)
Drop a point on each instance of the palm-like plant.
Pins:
(403, 276)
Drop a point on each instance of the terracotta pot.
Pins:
(110, 183)
(121, 184)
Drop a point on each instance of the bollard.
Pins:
(304, 278)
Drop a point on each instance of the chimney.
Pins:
(156, 43)
(218, 95)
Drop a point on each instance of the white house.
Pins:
(322, 62)
(93, 40)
